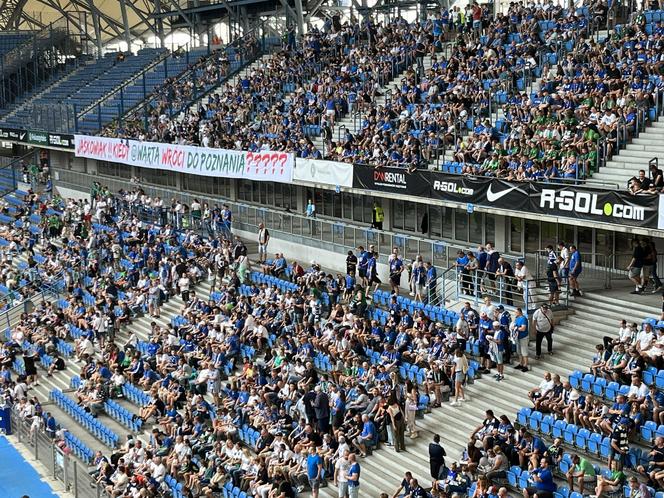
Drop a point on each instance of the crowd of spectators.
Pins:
(241, 358)
(598, 90)
(592, 90)
(340, 69)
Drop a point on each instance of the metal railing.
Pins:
(322, 233)
(70, 472)
(474, 286)
(599, 269)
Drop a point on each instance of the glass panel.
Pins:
(270, 193)
(476, 235)
(368, 209)
(252, 216)
(360, 237)
(328, 203)
(397, 217)
(461, 225)
(279, 195)
(371, 237)
(531, 238)
(489, 227)
(255, 197)
(358, 208)
(338, 233)
(400, 242)
(245, 190)
(349, 235)
(566, 234)
(603, 248)
(410, 216)
(516, 231)
(549, 234)
(425, 250)
(318, 200)
(297, 225)
(327, 231)
(347, 202)
(435, 221)
(423, 213)
(623, 249)
(448, 223)
(317, 228)
(336, 199)
(288, 224)
(585, 243)
(439, 256)
(262, 189)
(278, 220)
(412, 248)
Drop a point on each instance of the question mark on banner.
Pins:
(250, 158)
(283, 158)
(273, 159)
(261, 160)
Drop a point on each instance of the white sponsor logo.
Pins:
(587, 203)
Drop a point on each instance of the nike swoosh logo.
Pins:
(492, 196)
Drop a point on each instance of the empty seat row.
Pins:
(91, 424)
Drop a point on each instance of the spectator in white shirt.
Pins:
(544, 387)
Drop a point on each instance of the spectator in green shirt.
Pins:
(581, 472)
(612, 483)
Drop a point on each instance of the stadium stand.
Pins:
(9, 41)
(537, 96)
(176, 364)
(85, 86)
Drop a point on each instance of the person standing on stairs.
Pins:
(575, 269)
(520, 335)
(497, 344)
(437, 456)
(353, 476)
(543, 321)
(397, 424)
(460, 370)
(635, 267)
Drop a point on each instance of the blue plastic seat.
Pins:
(569, 433)
(523, 415)
(534, 420)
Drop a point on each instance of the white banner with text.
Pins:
(221, 163)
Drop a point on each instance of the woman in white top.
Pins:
(460, 368)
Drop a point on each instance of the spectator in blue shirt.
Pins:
(575, 269)
(520, 329)
(365, 440)
(314, 470)
(542, 479)
(353, 477)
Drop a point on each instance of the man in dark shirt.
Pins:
(436, 457)
(636, 266)
(506, 273)
(619, 444)
(351, 263)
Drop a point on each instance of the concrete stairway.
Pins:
(635, 156)
(353, 120)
